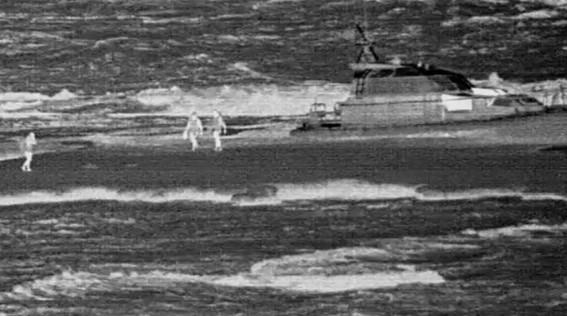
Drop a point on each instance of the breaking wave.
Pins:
(352, 190)
(274, 194)
(12, 101)
(325, 271)
(525, 230)
(76, 284)
(259, 100)
(233, 100)
(245, 100)
(105, 194)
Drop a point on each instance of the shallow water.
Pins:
(362, 228)
(310, 257)
(101, 46)
(129, 64)
(424, 223)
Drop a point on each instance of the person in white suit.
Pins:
(218, 127)
(193, 130)
(27, 149)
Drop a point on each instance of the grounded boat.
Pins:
(400, 94)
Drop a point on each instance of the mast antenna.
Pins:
(365, 15)
(366, 54)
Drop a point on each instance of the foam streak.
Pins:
(345, 189)
(324, 271)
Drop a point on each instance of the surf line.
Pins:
(344, 190)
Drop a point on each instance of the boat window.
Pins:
(445, 83)
(461, 81)
(529, 100)
(381, 73)
(337, 109)
(400, 85)
(406, 72)
(318, 107)
(360, 74)
(503, 102)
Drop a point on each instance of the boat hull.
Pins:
(429, 109)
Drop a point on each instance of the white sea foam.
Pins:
(350, 189)
(555, 3)
(233, 100)
(68, 283)
(551, 3)
(342, 189)
(477, 133)
(481, 20)
(183, 20)
(323, 259)
(77, 284)
(34, 96)
(243, 67)
(333, 283)
(346, 189)
(245, 100)
(525, 230)
(377, 206)
(537, 15)
(61, 223)
(104, 194)
(279, 100)
(10, 155)
(49, 221)
(18, 101)
(325, 271)
(476, 194)
(28, 114)
(63, 95)
(29, 102)
(112, 220)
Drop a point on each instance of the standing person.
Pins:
(27, 148)
(193, 129)
(219, 127)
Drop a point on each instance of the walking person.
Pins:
(27, 148)
(193, 130)
(218, 128)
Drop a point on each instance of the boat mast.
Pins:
(366, 53)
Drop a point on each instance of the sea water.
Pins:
(340, 247)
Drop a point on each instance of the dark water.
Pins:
(365, 228)
(105, 258)
(99, 46)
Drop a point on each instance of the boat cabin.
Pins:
(388, 79)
